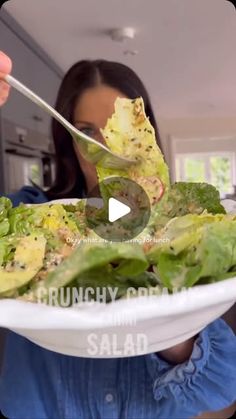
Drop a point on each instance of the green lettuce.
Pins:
(195, 248)
(119, 259)
(23, 219)
(103, 280)
(5, 206)
(184, 198)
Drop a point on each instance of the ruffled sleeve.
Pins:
(206, 382)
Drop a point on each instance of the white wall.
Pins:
(198, 131)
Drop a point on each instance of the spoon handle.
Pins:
(39, 101)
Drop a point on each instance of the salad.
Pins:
(189, 239)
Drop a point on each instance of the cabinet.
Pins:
(29, 68)
(22, 123)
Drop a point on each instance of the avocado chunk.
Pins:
(28, 260)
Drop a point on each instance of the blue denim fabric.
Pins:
(27, 195)
(40, 384)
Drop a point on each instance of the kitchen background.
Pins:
(183, 50)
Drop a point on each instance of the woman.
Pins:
(180, 382)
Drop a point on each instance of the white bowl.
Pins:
(123, 328)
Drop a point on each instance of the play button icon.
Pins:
(116, 210)
(121, 213)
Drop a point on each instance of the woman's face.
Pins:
(91, 112)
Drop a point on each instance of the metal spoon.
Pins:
(91, 149)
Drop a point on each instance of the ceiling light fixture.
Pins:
(122, 34)
(130, 52)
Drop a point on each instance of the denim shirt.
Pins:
(39, 384)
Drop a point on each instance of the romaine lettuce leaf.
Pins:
(184, 198)
(191, 197)
(199, 247)
(129, 133)
(5, 206)
(23, 219)
(121, 259)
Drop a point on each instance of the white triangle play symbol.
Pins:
(116, 210)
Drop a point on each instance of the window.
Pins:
(215, 168)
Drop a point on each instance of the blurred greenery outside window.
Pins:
(217, 169)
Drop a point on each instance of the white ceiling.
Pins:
(186, 47)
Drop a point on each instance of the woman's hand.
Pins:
(5, 68)
(178, 353)
(221, 414)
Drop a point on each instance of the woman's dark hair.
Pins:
(70, 180)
